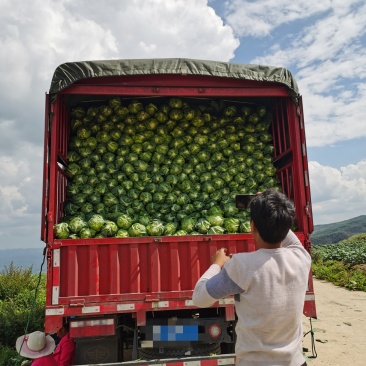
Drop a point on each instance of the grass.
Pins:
(9, 356)
(343, 264)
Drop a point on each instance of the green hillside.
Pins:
(334, 233)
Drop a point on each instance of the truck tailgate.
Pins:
(145, 269)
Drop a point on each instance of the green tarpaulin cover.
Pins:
(70, 72)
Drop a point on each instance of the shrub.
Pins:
(8, 356)
(19, 310)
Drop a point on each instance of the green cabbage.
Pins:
(137, 229)
(121, 233)
(215, 210)
(96, 222)
(155, 227)
(230, 209)
(170, 228)
(181, 233)
(215, 220)
(109, 229)
(216, 230)
(76, 224)
(244, 227)
(109, 200)
(86, 208)
(231, 225)
(72, 170)
(61, 230)
(188, 223)
(124, 221)
(86, 233)
(202, 225)
(183, 199)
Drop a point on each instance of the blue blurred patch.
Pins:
(175, 333)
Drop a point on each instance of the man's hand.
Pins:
(220, 257)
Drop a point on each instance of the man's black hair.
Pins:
(273, 215)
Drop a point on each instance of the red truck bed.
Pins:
(109, 276)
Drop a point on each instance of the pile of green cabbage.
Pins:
(136, 168)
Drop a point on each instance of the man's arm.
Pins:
(215, 284)
(292, 242)
(291, 239)
(200, 295)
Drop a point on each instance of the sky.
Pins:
(322, 43)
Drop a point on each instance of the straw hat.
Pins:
(35, 345)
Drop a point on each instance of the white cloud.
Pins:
(355, 172)
(156, 28)
(337, 194)
(330, 62)
(330, 119)
(9, 169)
(20, 178)
(13, 203)
(20, 196)
(258, 18)
(37, 36)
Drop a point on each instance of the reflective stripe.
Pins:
(160, 304)
(58, 311)
(306, 178)
(122, 307)
(55, 292)
(309, 297)
(192, 363)
(56, 276)
(91, 323)
(56, 258)
(226, 361)
(90, 309)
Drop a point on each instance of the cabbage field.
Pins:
(351, 251)
(138, 168)
(343, 264)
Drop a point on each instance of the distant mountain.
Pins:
(23, 258)
(334, 233)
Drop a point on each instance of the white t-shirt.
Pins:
(269, 287)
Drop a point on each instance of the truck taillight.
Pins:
(214, 331)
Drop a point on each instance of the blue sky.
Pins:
(321, 42)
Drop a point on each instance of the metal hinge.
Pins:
(49, 216)
(307, 210)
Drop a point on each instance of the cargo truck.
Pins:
(127, 296)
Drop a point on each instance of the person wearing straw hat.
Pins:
(37, 346)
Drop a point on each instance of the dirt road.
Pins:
(340, 330)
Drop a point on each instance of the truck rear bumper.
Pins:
(227, 360)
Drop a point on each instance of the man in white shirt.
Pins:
(268, 285)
